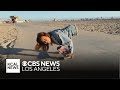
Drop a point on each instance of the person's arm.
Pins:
(70, 46)
(66, 41)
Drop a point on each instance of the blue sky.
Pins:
(45, 15)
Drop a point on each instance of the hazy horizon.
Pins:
(59, 15)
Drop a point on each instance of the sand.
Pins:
(8, 34)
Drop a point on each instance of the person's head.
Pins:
(43, 41)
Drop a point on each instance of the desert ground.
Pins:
(96, 47)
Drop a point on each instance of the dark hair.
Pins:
(45, 47)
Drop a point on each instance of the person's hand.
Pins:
(61, 50)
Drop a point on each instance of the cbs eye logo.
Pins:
(24, 63)
(30, 63)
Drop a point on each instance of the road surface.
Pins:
(95, 53)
